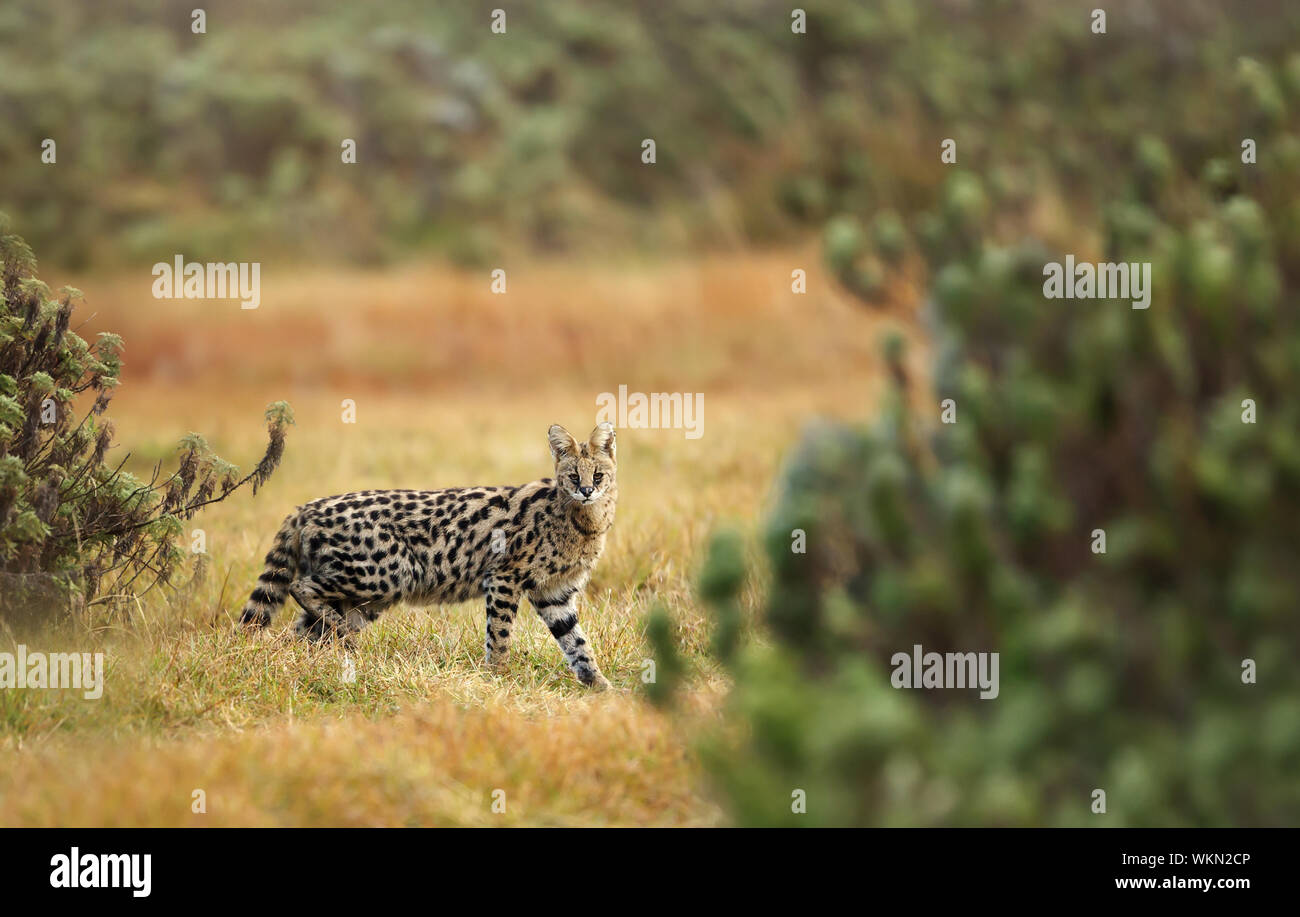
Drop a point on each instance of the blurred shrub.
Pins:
(1174, 430)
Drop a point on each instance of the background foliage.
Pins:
(470, 142)
(1120, 671)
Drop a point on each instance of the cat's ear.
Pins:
(562, 442)
(602, 439)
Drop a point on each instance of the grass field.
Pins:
(452, 385)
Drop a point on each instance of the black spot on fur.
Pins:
(562, 626)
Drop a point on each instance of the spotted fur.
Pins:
(345, 559)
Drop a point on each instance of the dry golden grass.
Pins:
(452, 386)
(612, 762)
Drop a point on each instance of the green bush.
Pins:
(1173, 432)
(71, 521)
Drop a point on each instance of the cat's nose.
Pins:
(585, 491)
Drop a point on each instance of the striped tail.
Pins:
(273, 585)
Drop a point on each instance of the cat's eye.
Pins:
(574, 479)
(597, 477)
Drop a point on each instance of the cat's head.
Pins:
(584, 472)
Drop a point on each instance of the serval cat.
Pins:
(345, 559)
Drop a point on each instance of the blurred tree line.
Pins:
(229, 142)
